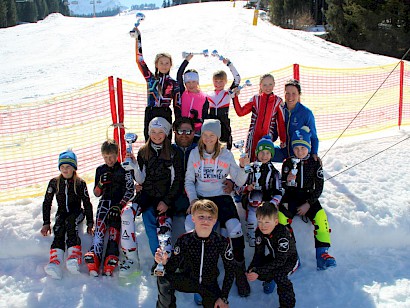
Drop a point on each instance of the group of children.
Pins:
(164, 177)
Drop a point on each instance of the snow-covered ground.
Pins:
(368, 206)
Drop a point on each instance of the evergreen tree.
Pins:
(277, 15)
(11, 13)
(53, 6)
(42, 9)
(3, 14)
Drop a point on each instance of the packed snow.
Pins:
(368, 206)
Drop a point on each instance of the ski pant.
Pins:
(316, 215)
(102, 224)
(152, 112)
(182, 283)
(284, 288)
(67, 223)
(128, 235)
(155, 225)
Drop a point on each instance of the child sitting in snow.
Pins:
(265, 188)
(275, 257)
(302, 179)
(70, 190)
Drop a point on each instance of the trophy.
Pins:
(204, 52)
(246, 84)
(130, 138)
(257, 165)
(294, 171)
(216, 54)
(239, 145)
(140, 17)
(163, 241)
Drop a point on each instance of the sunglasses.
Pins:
(184, 131)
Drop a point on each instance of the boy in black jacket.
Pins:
(275, 255)
(196, 257)
(302, 179)
(115, 186)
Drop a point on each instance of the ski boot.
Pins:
(110, 264)
(93, 263)
(198, 299)
(323, 259)
(269, 287)
(74, 259)
(53, 268)
(130, 264)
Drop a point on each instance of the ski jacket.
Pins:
(270, 181)
(294, 120)
(266, 119)
(309, 180)
(191, 101)
(121, 188)
(68, 201)
(198, 258)
(274, 252)
(205, 177)
(163, 179)
(162, 90)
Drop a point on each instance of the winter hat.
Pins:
(265, 144)
(68, 157)
(160, 123)
(212, 125)
(301, 137)
(191, 76)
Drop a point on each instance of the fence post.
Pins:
(401, 92)
(296, 74)
(113, 107)
(120, 101)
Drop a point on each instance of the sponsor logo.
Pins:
(177, 250)
(258, 240)
(283, 245)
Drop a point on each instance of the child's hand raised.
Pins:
(189, 56)
(45, 230)
(243, 161)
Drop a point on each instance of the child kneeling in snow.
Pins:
(70, 191)
(302, 179)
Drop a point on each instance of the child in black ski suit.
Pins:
(275, 256)
(270, 188)
(70, 190)
(115, 186)
(196, 256)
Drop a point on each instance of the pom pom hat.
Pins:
(68, 157)
(301, 137)
(265, 144)
(160, 123)
(212, 125)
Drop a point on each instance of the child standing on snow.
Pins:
(162, 90)
(267, 117)
(70, 190)
(269, 182)
(220, 99)
(275, 257)
(159, 169)
(193, 103)
(302, 179)
(115, 186)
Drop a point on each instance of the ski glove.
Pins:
(105, 178)
(114, 212)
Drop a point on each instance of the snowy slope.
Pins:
(368, 206)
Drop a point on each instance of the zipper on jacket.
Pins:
(66, 195)
(202, 260)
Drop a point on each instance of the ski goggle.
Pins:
(184, 131)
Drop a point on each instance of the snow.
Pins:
(368, 205)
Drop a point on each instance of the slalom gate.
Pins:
(33, 135)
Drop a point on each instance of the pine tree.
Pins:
(42, 9)
(3, 14)
(11, 13)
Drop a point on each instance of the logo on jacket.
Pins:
(258, 240)
(229, 253)
(283, 245)
(177, 250)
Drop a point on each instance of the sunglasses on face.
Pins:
(184, 131)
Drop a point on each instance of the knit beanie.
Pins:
(160, 123)
(265, 144)
(301, 137)
(68, 157)
(212, 125)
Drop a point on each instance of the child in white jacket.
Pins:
(208, 167)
